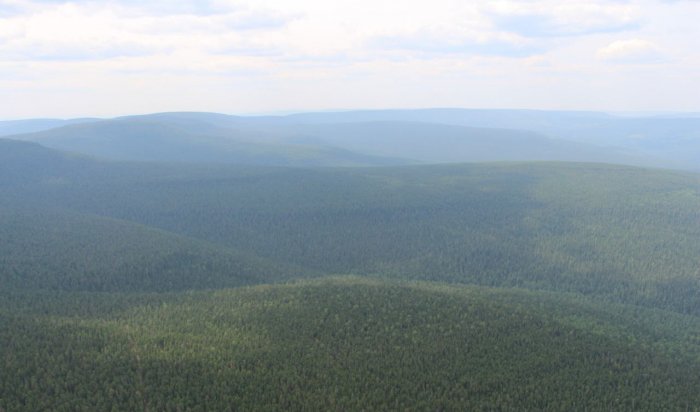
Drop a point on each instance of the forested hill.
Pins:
(181, 140)
(674, 139)
(483, 286)
(378, 137)
(13, 127)
(21, 161)
(443, 143)
(278, 141)
(617, 233)
(58, 250)
(344, 344)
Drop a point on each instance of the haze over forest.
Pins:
(228, 205)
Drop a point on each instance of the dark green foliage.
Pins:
(619, 233)
(604, 260)
(345, 344)
(64, 251)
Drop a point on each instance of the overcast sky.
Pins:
(106, 58)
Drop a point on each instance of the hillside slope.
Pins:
(14, 127)
(619, 233)
(438, 143)
(345, 344)
(667, 141)
(303, 139)
(61, 251)
(399, 139)
(152, 139)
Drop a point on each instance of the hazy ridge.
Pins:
(382, 137)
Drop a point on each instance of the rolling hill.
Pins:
(439, 143)
(345, 344)
(62, 251)
(670, 141)
(185, 286)
(377, 137)
(343, 139)
(617, 233)
(147, 139)
(13, 127)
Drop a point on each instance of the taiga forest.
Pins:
(227, 205)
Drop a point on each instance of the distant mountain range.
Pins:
(11, 127)
(375, 138)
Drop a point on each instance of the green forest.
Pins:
(134, 286)
(345, 343)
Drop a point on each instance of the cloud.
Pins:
(10, 8)
(279, 54)
(68, 32)
(261, 20)
(179, 7)
(561, 19)
(88, 30)
(631, 51)
(155, 7)
(430, 42)
(76, 52)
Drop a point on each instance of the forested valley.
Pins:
(286, 279)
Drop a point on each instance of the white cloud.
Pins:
(427, 43)
(548, 18)
(246, 55)
(631, 51)
(96, 31)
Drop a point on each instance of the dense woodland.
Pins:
(619, 233)
(344, 344)
(507, 286)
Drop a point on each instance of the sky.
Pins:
(115, 57)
